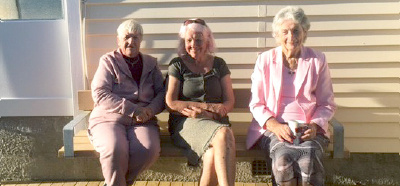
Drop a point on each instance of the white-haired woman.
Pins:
(291, 83)
(128, 92)
(199, 96)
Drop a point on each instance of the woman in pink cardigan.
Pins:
(291, 84)
(128, 92)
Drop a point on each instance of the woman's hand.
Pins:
(195, 112)
(219, 109)
(282, 131)
(143, 114)
(311, 132)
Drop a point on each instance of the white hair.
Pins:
(291, 13)
(131, 26)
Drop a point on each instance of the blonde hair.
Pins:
(197, 28)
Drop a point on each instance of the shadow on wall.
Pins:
(368, 106)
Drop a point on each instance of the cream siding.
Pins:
(361, 40)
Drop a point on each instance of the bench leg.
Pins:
(338, 141)
(78, 123)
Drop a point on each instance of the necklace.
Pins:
(131, 61)
(291, 59)
(292, 65)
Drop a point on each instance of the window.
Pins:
(30, 9)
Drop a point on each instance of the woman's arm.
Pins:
(259, 91)
(102, 90)
(188, 108)
(228, 96)
(218, 110)
(325, 105)
(157, 104)
(259, 94)
(172, 95)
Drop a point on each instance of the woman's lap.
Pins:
(304, 162)
(120, 137)
(194, 136)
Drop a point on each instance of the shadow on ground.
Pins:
(364, 169)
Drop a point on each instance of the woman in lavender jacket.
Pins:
(292, 82)
(128, 92)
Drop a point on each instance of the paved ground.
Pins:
(137, 183)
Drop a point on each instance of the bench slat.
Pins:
(83, 148)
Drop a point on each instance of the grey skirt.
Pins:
(194, 135)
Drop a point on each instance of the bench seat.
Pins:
(83, 147)
(77, 144)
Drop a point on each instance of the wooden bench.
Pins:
(77, 144)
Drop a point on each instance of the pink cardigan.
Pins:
(115, 93)
(313, 89)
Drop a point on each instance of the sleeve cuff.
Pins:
(322, 123)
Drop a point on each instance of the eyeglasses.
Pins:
(198, 21)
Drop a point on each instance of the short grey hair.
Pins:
(199, 28)
(131, 26)
(290, 13)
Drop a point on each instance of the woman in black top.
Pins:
(199, 96)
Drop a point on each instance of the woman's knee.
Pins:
(283, 168)
(110, 140)
(283, 163)
(114, 155)
(116, 150)
(312, 170)
(154, 151)
(145, 143)
(225, 135)
(146, 153)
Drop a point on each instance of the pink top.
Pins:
(313, 92)
(116, 94)
(289, 109)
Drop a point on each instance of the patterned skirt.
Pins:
(304, 162)
(194, 135)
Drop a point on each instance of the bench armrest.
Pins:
(78, 123)
(338, 138)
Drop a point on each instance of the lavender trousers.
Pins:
(125, 151)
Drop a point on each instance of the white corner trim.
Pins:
(73, 21)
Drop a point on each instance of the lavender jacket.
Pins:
(116, 94)
(313, 90)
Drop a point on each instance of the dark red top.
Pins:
(135, 65)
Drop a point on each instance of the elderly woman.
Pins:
(199, 96)
(292, 83)
(128, 92)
